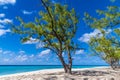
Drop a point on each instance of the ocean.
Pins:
(12, 69)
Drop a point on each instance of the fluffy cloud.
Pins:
(80, 52)
(45, 52)
(21, 52)
(4, 21)
(27, 12)
(2, 15)
(31, 56)
(86, 37)
(6, 52)
(6, 60)
(14, 57)
(3, 2)
(22, 58)
(96, 33)
(38, 43)
(3, 31)
(32, 41)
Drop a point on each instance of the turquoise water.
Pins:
(4, 70)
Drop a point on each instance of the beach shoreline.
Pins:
(46, 70)
(104, 73)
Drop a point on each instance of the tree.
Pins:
(55, 27)
(106, 46)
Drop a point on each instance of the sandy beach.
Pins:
(58, 74)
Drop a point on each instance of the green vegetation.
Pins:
(106, 44)
(55, 27)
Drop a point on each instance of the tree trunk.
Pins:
(112, 65)
(67, 67)
(70, 61)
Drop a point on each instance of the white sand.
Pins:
(101, 73)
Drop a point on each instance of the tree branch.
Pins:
(52, 21)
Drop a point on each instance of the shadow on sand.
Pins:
(90, 73)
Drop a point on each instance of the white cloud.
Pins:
(4, 21)
(3, 2)
(86, 37)
(2, 15)
(38, 43)
(24, 58)
(27, 12)
(31, 56)
(11, 57)
(79, 52)
(21, 58)
(21, 52)
(6, 60)
(45, 52)
(3, 31)
(7, 52)
(96, 33)
(31, 41)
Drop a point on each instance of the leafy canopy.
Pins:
(55, 26)
(108, 45)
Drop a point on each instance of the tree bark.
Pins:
(114, 64)
(70, 62)
(67, 67)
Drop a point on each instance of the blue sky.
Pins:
(13, 52)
